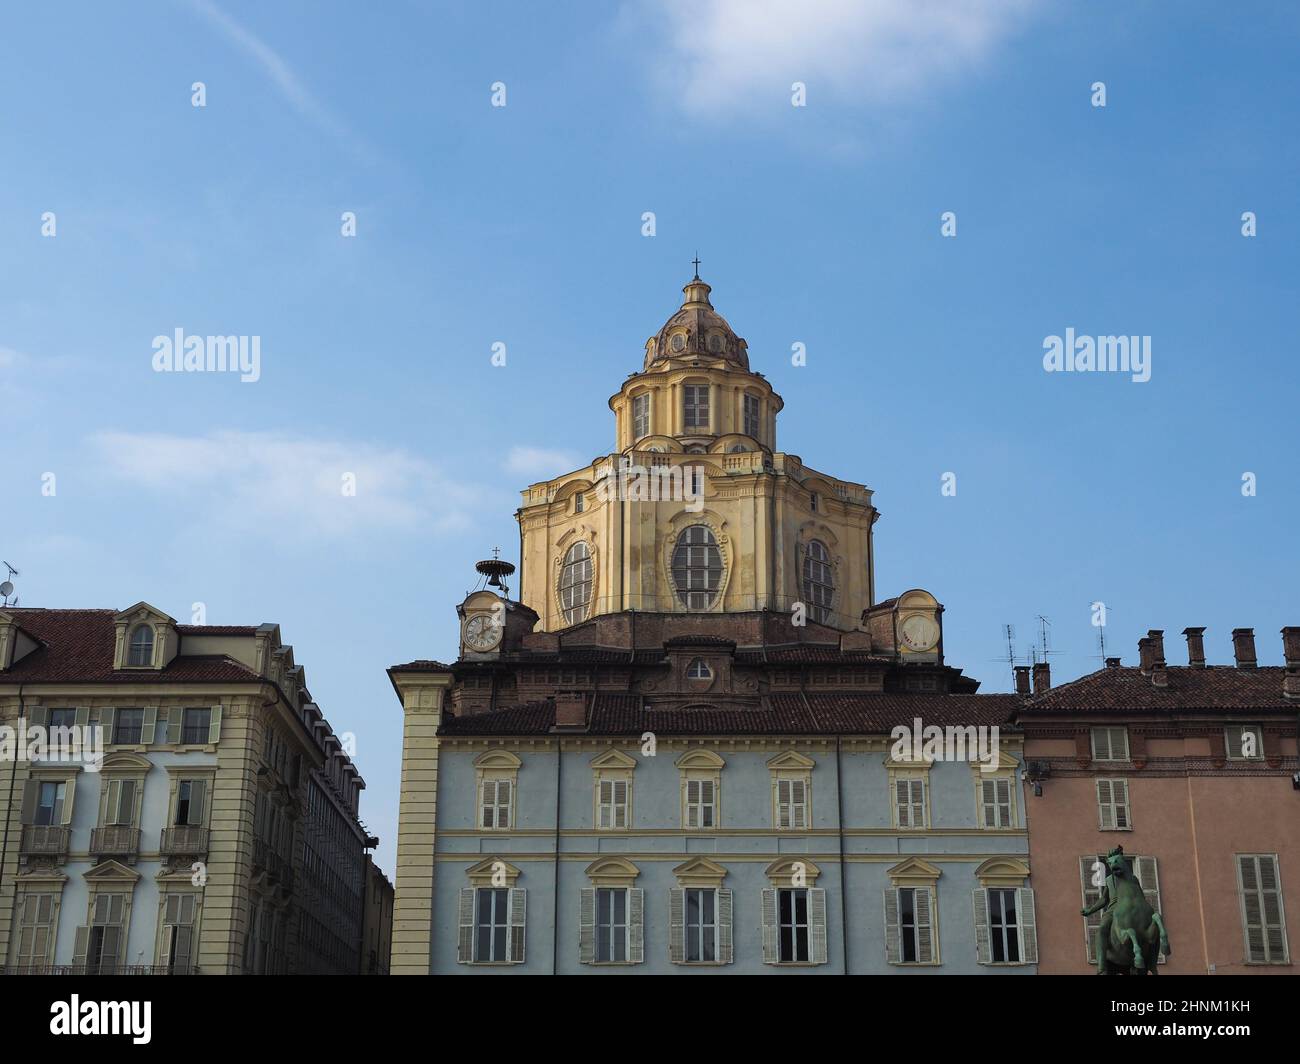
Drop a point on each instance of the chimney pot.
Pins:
(1022, 679)
(1243, 647)
(1157, 637)
(1195, 647)
(1291, 646)
(1112, 663)
(570, 709)
(1042, 677)
(1146, 655)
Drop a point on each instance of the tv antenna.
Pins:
(7, 587)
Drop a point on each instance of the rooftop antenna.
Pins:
(493, 570)
(1044, 637)
(7, 587)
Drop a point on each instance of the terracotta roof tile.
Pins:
(1124, 688)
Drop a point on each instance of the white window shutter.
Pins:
(80, 947)
(69, 793)
(1105, 805)
(1091, 895)
(214, 725)
(817, 925)
(725, 907)
(587, 925)
(83, 717)
(150, 725)
(902, 804)
(677, 926)
(174, 719)
(893, 954)
(1028, 921)
(924, 926)
(980, 910)
(38, 716)
(771, 953)
(1148, 878)
(31, 793)
(465, 942)
(106, 721)
(517, 901)
(635, 925)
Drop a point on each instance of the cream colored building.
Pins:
(217, 834)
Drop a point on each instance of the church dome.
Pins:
(696, 331)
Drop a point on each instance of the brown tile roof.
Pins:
(821, 714)
(217, 629)
(421, 665)
(77, 647)
(1124, 688)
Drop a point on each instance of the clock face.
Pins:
(481, 633)
(920, 633)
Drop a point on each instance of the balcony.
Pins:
(44, 840)
(101, 969)
(184, 840)
(115, 840)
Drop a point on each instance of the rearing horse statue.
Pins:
(1132, 934)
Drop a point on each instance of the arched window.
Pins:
(697, 567)
(698, 670)
(818, 581)
(140, 647)
(575, 583)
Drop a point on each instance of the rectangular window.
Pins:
(1245, 742)
(915, 925)
(792, 804)
(1004, 927)
(120, 808)
(792, 925)
(1112, 805)
(1262, 914)
(105, 934)
(701, 804)
(36, 930)
(1110, 744)
(189, 801)
(496, 803)
(697, 406)
(640, 416)
(49, 804)
(751, 417)
(611, 924)
(62, 718)
(127, 726)
(701, 925)
(178, 932)
(995, 799)
(909, 802)
(579, 503)
(195, 727)
(612, 803)
(490, 924)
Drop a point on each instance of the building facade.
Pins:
(677, 751)
(206, 820)
(1193, 770)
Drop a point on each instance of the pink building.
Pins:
(1194, 771)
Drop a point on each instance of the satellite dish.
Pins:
(6, 589)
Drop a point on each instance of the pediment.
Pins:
(612, 868)
(700, 871)
(1005, 763)
(142, 611)
(914, 868)
(1002, 871)
(125, 762)
(613, 759)
(497, 759)
(111, 872)
(700, 759)
(791, 760)
(784, 869)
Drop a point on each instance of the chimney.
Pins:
(1157, 637)
(1243, 647)
(570, 709)
(1022, 679)
(1112, 663)
(1042, 677)
(1146, 655)
(1291, 652)
(1195, 647)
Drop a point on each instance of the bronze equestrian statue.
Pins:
(1132, 934)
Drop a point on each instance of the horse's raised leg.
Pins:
(1164, 937)
(1130, 936)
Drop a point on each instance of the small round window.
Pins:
(699, 670)
(715, 343)
(678, 342)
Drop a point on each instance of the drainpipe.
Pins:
(839, 824)
(555, 892)
(9, 812)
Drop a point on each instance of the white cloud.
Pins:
(290, 488)
(738, 55)
(540, 462)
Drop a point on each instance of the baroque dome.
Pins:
(696, 331)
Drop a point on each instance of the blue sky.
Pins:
(522, 225)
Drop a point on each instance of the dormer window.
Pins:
(699, 670)
(678, 342)
(140, 647)
(814, 502)
(579, 503)
(715, 343)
